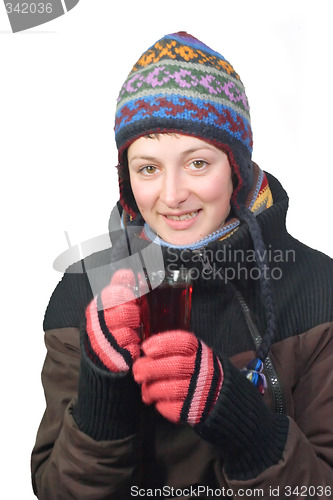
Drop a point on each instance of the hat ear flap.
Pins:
(243, 174)
(126, 196)
(246, 171)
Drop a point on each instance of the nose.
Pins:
(174, 190)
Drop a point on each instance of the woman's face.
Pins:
(182, 186)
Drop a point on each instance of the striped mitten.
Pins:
(108, 402)
(112, 322)
(180, 375)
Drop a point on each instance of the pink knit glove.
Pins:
(113, 319)
(180, 375)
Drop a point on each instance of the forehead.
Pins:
(160, 142)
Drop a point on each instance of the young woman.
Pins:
(242, 403)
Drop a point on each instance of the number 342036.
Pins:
(29, 8)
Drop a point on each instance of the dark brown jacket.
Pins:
(69, 464)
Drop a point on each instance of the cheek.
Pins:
(219, 191)
(143, 194)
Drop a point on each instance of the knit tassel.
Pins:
(253, 372)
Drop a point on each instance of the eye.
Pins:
(148, 170)
(198, 164)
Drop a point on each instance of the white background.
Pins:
(58, 88)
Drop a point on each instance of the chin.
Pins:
(181, 239)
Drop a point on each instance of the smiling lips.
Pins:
(187, 216)
(182, 221)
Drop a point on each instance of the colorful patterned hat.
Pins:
(180, 85)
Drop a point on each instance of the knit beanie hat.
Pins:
(179, 85)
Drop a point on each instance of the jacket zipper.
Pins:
(271, 374)
(206, 265)
(272, 377)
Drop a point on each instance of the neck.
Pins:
(220, 233)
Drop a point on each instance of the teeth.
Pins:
(183, 217)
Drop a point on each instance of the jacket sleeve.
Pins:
(66, 462)
(292, 453)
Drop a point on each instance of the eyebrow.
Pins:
(184, 153)
(143, 157)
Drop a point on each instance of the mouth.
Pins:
(187, 216)
(182, 221)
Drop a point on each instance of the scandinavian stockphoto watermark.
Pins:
(28, 14)
(228, 263)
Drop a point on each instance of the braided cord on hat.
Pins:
(265, 283)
